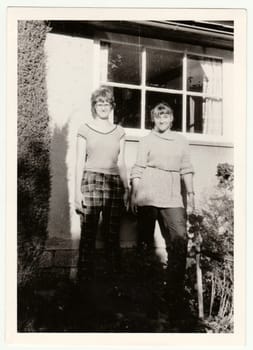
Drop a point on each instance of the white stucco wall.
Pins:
(69, 85)
(70, 77)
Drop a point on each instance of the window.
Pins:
(142, 76)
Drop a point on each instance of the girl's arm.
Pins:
(80, 163)
(134, 183)
(123, 169)
(188, 181)
(137, 170)
(187, 175)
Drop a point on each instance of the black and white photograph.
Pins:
(125, 158)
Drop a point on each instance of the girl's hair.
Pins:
(161, 108)
(104, 93)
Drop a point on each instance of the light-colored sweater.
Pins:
(161, 159)
(102, 148)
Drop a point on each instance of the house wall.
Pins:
(71, 63)
(69, 84)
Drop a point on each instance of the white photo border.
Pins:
(235, 339)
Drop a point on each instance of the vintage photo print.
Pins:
(125, 187)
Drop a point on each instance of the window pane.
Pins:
(194, 114)
(164, 69)
(127, 110)
(204, 115)
(204, 75)
(175, 102)
(123, 63)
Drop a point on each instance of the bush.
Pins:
(211, 233)
(33, 145)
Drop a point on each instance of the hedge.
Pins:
(33, 143)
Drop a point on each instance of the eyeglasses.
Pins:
(164, 115)
(100, 104)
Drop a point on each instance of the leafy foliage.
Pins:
(211, 233)
(33, 145)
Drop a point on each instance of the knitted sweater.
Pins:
(161, 159)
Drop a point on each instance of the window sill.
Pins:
(134, 135)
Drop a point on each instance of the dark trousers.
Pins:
(103, 194)
(172, 222)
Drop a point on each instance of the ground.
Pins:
(131, 300)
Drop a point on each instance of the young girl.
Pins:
(101, 182)
(162, 160)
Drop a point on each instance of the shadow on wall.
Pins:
(59, 212)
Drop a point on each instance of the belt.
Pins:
(168, 170)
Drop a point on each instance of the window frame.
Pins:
(135, 134)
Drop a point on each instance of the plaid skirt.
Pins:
(101, 190)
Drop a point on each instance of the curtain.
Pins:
(212, 106)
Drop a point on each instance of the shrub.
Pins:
(33, 145)
(211, 233)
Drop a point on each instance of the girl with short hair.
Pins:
(163, 159)
(101, 184)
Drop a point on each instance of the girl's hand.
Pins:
(79, 203)
(126, 198)
(134, 207)
(191, 203)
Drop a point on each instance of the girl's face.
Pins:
(163, 121)
(102, 108)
